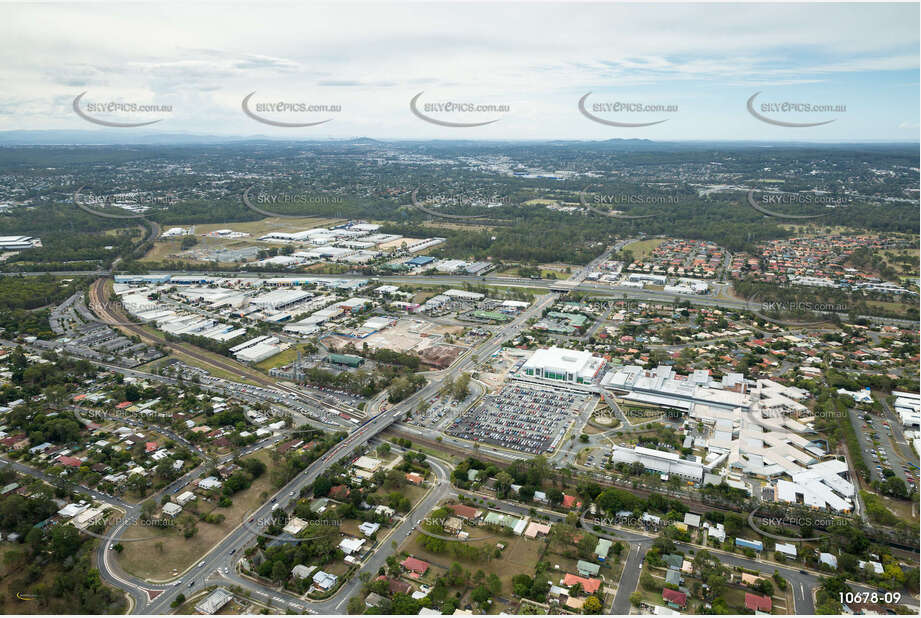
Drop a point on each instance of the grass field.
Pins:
(169, 553)
(642, 248)
(282, 358)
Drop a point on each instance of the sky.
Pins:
(530, 63)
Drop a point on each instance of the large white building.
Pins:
(562, 365)
(15, 243)
(661, 462)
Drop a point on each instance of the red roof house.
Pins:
(756, 602)
(70, 462)
(570, 501)
(150, 447)
(673, 597)
(590, 585)
(463, 511)
(339, 492)
(415, 565)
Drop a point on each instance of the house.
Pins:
(70, 462)
(674, 561)
(570, 502)
(171, 509)
(294, 525)
(368, 529)
(453, 525)
(674, 598)
(589, 585)
(184, 498)
(536, 529)
(415, 566)
(375, 600)
(324, 580)
(756, 545)
(301, 571)
(349, 545)
(876, 567)
(395, 586)
(828, 560)
(213, 602)
(209, 483)
(465, 512)
(602, 549)
(756, 602)
(750, 580)
(717, 531)
(692, 520)
(339, 492)
(380, 509)
(415, 479)
(673, 577)
(587, 569)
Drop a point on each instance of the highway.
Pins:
(598, 289)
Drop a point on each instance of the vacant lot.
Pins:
(642, 248)
(519, 556)
(271, 224)
(168, 553)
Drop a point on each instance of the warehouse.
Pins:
(8, 243)
(258, 352)
(279, 299)
(563, 365)
(464, 295)
(420, 260)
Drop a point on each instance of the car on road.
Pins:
(191, 583)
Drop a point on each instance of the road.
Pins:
(220, 555)
(600, 289)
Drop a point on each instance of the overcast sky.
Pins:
(537, 59)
